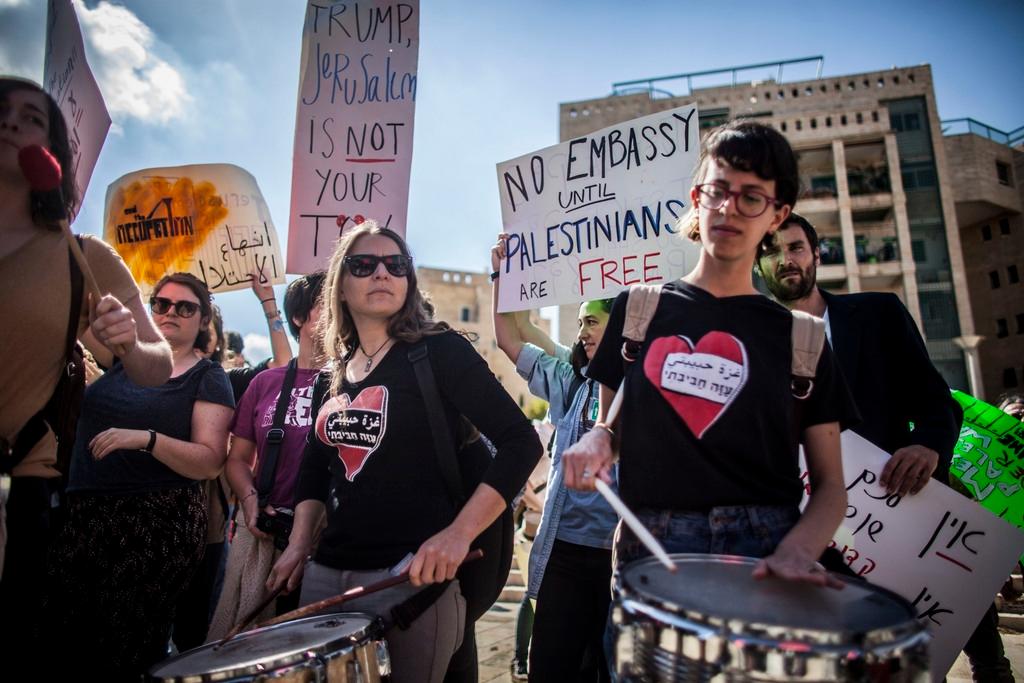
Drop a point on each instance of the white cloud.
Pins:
(135, 81)
(5, 4)
(257, 347)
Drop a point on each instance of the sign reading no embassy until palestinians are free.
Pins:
(353, 124)
(588, 217)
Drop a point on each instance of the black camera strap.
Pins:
(268, 459)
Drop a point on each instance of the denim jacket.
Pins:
(551, 378)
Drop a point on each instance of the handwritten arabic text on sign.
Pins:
(69, 81)
(209, 220)
(354, 123)
(591, 216)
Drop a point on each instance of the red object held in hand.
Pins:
(40, 168)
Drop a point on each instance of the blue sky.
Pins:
(215, 81)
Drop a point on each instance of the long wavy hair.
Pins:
(338, 333)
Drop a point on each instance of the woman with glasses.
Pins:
(711, 421)
(371, 465)
(136, 525)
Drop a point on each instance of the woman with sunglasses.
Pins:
(136, 525)
(371, 465)
(37, 310)
(709, 463)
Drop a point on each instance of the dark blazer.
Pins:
(886, 366)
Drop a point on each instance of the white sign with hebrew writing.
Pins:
(207, 219)
(941, 551)
(353, 124)
(591, 216)
(68, 79)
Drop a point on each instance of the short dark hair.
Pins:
(202, 293)
(233, 341)
(301, 298)
(46, 207)
(809, 232)
(750, 146)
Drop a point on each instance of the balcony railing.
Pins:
(969, 125)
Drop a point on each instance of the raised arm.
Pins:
(127, 330)
(282, 350)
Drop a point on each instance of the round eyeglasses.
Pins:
(749, 203)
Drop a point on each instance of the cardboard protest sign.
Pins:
(209, 220)
(590, 216)
(67, 78)
(354, 123)
(988, 459)
(938, 549)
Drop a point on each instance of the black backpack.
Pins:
(481, 581)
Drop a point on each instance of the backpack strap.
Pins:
(443, 444)
(36, 427)
(641, 303)
(808, 341)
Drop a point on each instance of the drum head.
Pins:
(718, 588)
(267, 648)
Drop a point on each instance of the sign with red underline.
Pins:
(353, 124)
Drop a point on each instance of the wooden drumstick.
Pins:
(255, 612)
(637, 527)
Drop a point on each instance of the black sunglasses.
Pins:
(364, 265)
(184, 309)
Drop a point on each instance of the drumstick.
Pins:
(627, 515)
(255, 612)
(43, 172)
(352, 593)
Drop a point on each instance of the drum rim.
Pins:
(368, 633)
(877, 637)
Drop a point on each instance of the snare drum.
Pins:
(711, 621)
(338, 648)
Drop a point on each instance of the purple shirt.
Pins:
(255, 417)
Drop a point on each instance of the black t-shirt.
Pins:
(709, 417)
(385, 494)
(240, 378)
(115, 401)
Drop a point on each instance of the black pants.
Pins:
(572, 611)
(192, 613)
(985, 651)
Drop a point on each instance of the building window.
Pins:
(918, 250)
(1004, 226)
(465, 313)
(860, 118)
(783, 126)
(1009, 378)
(1011, 275)
(1020, 323)
(828, 121)
(993, 278)
(799, 124)
(1001, 328)
(874, 116)
(814, 123)
(842, 119)
(986, 232)
(1003, 173)
(918, 175)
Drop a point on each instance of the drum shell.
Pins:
(359, 656)
(657, 640)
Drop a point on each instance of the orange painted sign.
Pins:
(209, 220)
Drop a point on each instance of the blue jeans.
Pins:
(750, 530)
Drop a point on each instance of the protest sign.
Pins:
(353, 125)
(209, 220)
(938, 549)
(67, 78)
(588, 217)
(989, 458)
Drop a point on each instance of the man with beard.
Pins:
(894, 385)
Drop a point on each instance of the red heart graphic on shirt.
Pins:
(356, 427)
(699, 382)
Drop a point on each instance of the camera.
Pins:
(279, 525)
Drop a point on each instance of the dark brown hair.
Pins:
(202, 293)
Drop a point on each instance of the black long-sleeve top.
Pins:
(371, 456)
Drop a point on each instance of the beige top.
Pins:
(35, 294)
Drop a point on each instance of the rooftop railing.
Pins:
(648, 84)
(969, 125)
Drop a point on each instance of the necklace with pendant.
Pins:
(369, 356)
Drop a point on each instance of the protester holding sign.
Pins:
(39, 312)
(711, 421)
(256, 430)
(136, 525)
(571, 561)
(371, 463)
